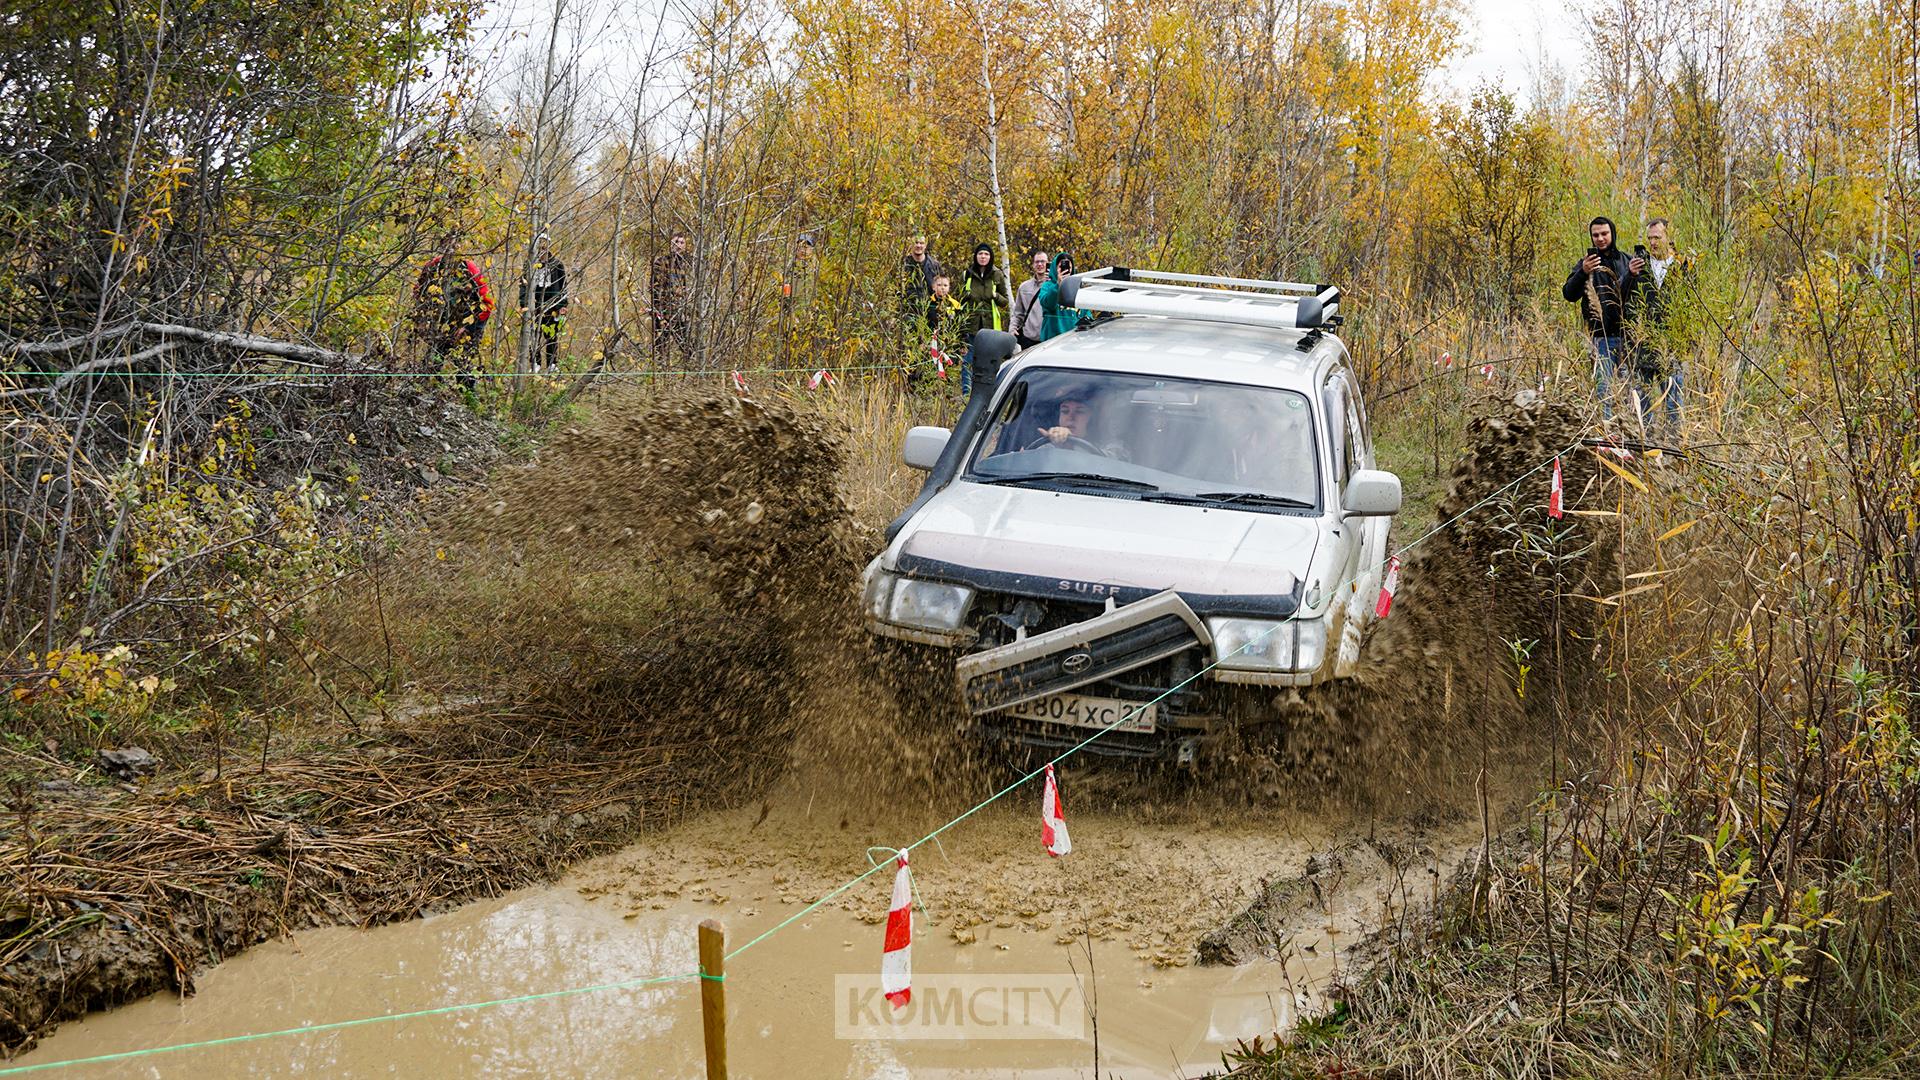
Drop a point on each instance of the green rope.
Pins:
(803, 912)
(1182, 684)
(629, 984)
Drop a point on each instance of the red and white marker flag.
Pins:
(1388, 586)
(1445, 362)
(896, 972)
(1487, 370)
(940, 360)
(820, 378)
(1053, 818)
(739, 383)
(1555, 494)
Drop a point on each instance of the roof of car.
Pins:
(1151, 345)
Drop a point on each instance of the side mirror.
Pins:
(1069, 290)
(924, 444)
(1370, 493)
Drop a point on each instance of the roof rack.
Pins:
(1247, 301)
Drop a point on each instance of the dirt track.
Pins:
(743, 500)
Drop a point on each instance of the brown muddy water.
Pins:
(1044, 955)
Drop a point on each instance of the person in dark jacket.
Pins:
(1056, 320)
(983, 306)
(670, 285)
(544, 293)
(1667, 278)
(1600, 283)
(918, 268)
(451, 306)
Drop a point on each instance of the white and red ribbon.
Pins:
(940, 360)
(1620, 452)
(896, 970)
(1445, 362)
(1053, 818)
(1388, 586)
(1556, 494)
(1487, 370)
(820, 378)
(739, 383)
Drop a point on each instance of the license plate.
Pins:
(1092, 712)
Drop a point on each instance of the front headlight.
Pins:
(928, 605)
(1252, 644)
(1311, 647)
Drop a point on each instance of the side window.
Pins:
(1362, 440)
(1335, 399)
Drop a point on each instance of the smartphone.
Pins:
(1596, 252)
(1640, 251)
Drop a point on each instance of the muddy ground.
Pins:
(582, 735)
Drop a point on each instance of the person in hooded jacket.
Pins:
(983, 306)
(1602, 283)
(1056, 320)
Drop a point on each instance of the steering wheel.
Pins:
(1071, 440)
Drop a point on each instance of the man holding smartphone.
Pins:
(1600, 283)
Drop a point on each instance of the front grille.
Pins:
(1089, 662)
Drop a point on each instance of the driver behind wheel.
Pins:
(1072, 424)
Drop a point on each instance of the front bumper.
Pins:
(1108, 645)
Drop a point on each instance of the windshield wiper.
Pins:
(1076, 477)
(1248, 498)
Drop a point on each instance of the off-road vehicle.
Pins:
(1167, 522)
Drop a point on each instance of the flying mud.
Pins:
(1479, 652)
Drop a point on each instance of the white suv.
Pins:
(1168, 518)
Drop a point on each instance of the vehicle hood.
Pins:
(1090, 539)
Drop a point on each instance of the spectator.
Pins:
(1600, 283)
(1027, 322)
(918, 268)
(939, 318)
(671, 286)
(544, 293)
(451, 306)
(1056, 320)
(1668, 275)
(797, 288)
(983, 306)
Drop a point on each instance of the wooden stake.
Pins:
(713, 996)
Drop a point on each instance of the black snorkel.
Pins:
(991, 348)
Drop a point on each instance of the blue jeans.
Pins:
(1606, 368)
(1667, 389)
(1614, 360)
(966, 374)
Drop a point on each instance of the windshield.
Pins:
(1144, 436)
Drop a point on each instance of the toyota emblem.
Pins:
(1077, 663)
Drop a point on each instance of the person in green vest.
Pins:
(983, 306)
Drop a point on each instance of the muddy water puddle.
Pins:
(1012, 954)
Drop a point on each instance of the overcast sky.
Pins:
(1510, 42)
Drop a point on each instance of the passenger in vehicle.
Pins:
(1270, 450)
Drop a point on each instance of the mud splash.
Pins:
(1483, 654)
